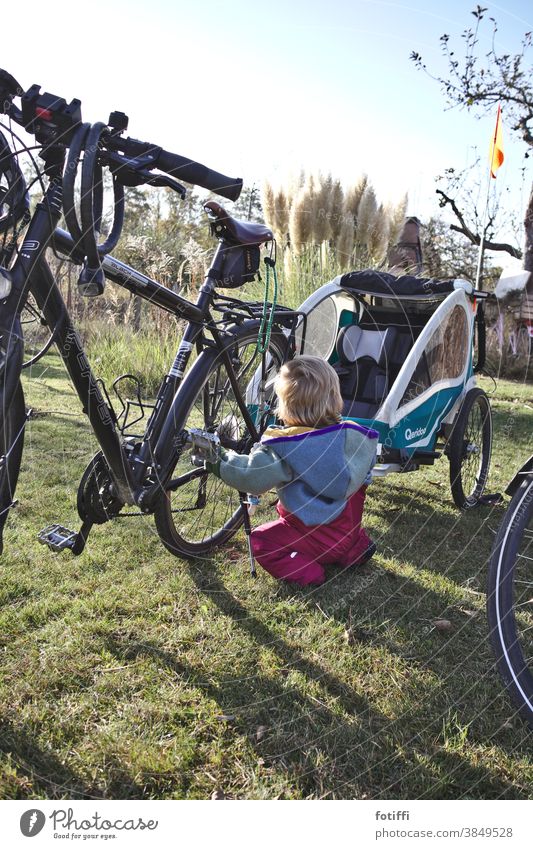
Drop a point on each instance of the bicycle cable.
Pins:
(87, 140)
(265, 326)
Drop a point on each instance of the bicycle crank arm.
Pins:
(186, 478)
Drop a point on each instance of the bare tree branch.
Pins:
(474, 237)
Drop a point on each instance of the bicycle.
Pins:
(218, 360)
(509, 593)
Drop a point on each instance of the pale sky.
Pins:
(262, 89)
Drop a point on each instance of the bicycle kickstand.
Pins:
(248, 530)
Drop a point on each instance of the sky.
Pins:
(261, 90)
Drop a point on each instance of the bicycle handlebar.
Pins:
(485, 296)
(48, 112)
(183, 168)
(200, 175)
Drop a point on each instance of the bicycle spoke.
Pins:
(198, 523)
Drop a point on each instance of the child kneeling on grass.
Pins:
(319, 465)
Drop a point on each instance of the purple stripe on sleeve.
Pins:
(367, 431)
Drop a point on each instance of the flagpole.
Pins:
(482, 239)
(496, 159)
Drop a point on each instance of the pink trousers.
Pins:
(288, 549)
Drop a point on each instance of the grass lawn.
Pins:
(127, 673)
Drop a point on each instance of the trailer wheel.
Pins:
(469, 449)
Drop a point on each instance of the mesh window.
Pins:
(444, 357)
(323, 323)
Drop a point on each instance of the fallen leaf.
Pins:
(349, 637)
(217, 794)
(354, 635)
(443, 625)
(225, 717)
(260, 732)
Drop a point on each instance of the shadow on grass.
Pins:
(314, 750)
(346, 748)
(436, 539)
(46, 775)
(396, 607)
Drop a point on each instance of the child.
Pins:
(319, 466)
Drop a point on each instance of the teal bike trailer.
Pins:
(403, 348)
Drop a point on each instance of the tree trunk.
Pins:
(137, 313)
(528, 244)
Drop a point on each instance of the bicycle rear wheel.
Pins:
(198, 511)
(510, 599)
(11, 442)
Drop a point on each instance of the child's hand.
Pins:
(213, 468)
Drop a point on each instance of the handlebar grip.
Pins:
(182, 168)
(485, 296)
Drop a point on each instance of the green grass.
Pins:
(127, 673)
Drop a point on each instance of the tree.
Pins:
(462, 192)
(446, 254)
(248, 206)
(479, 80)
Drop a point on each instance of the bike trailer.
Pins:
(403, 349)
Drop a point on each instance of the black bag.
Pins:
(241, 264)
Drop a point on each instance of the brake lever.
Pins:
(129, 172)
(166, 182)
(135, 172)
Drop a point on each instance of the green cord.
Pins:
(265, 328)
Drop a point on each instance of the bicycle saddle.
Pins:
(236, 232)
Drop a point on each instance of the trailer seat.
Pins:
(364, 368)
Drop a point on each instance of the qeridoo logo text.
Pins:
(31, 822)
(412, 434)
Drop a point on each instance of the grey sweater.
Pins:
(315, 471)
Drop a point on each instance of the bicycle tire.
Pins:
(509, 599)
(471, 437)
(11, 437)
(197, 516)
(38, 343)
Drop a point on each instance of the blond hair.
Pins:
(308, 393)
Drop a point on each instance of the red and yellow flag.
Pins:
(496, 148)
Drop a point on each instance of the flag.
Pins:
(496, 148)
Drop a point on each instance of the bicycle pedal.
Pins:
(57, 538)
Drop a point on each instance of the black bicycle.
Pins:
(510, 593)
(221, 379)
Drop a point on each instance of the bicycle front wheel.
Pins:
(510, 599)
(11, 443)
(198, 511)
(38, 337)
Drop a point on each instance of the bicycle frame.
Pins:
(157, 452)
